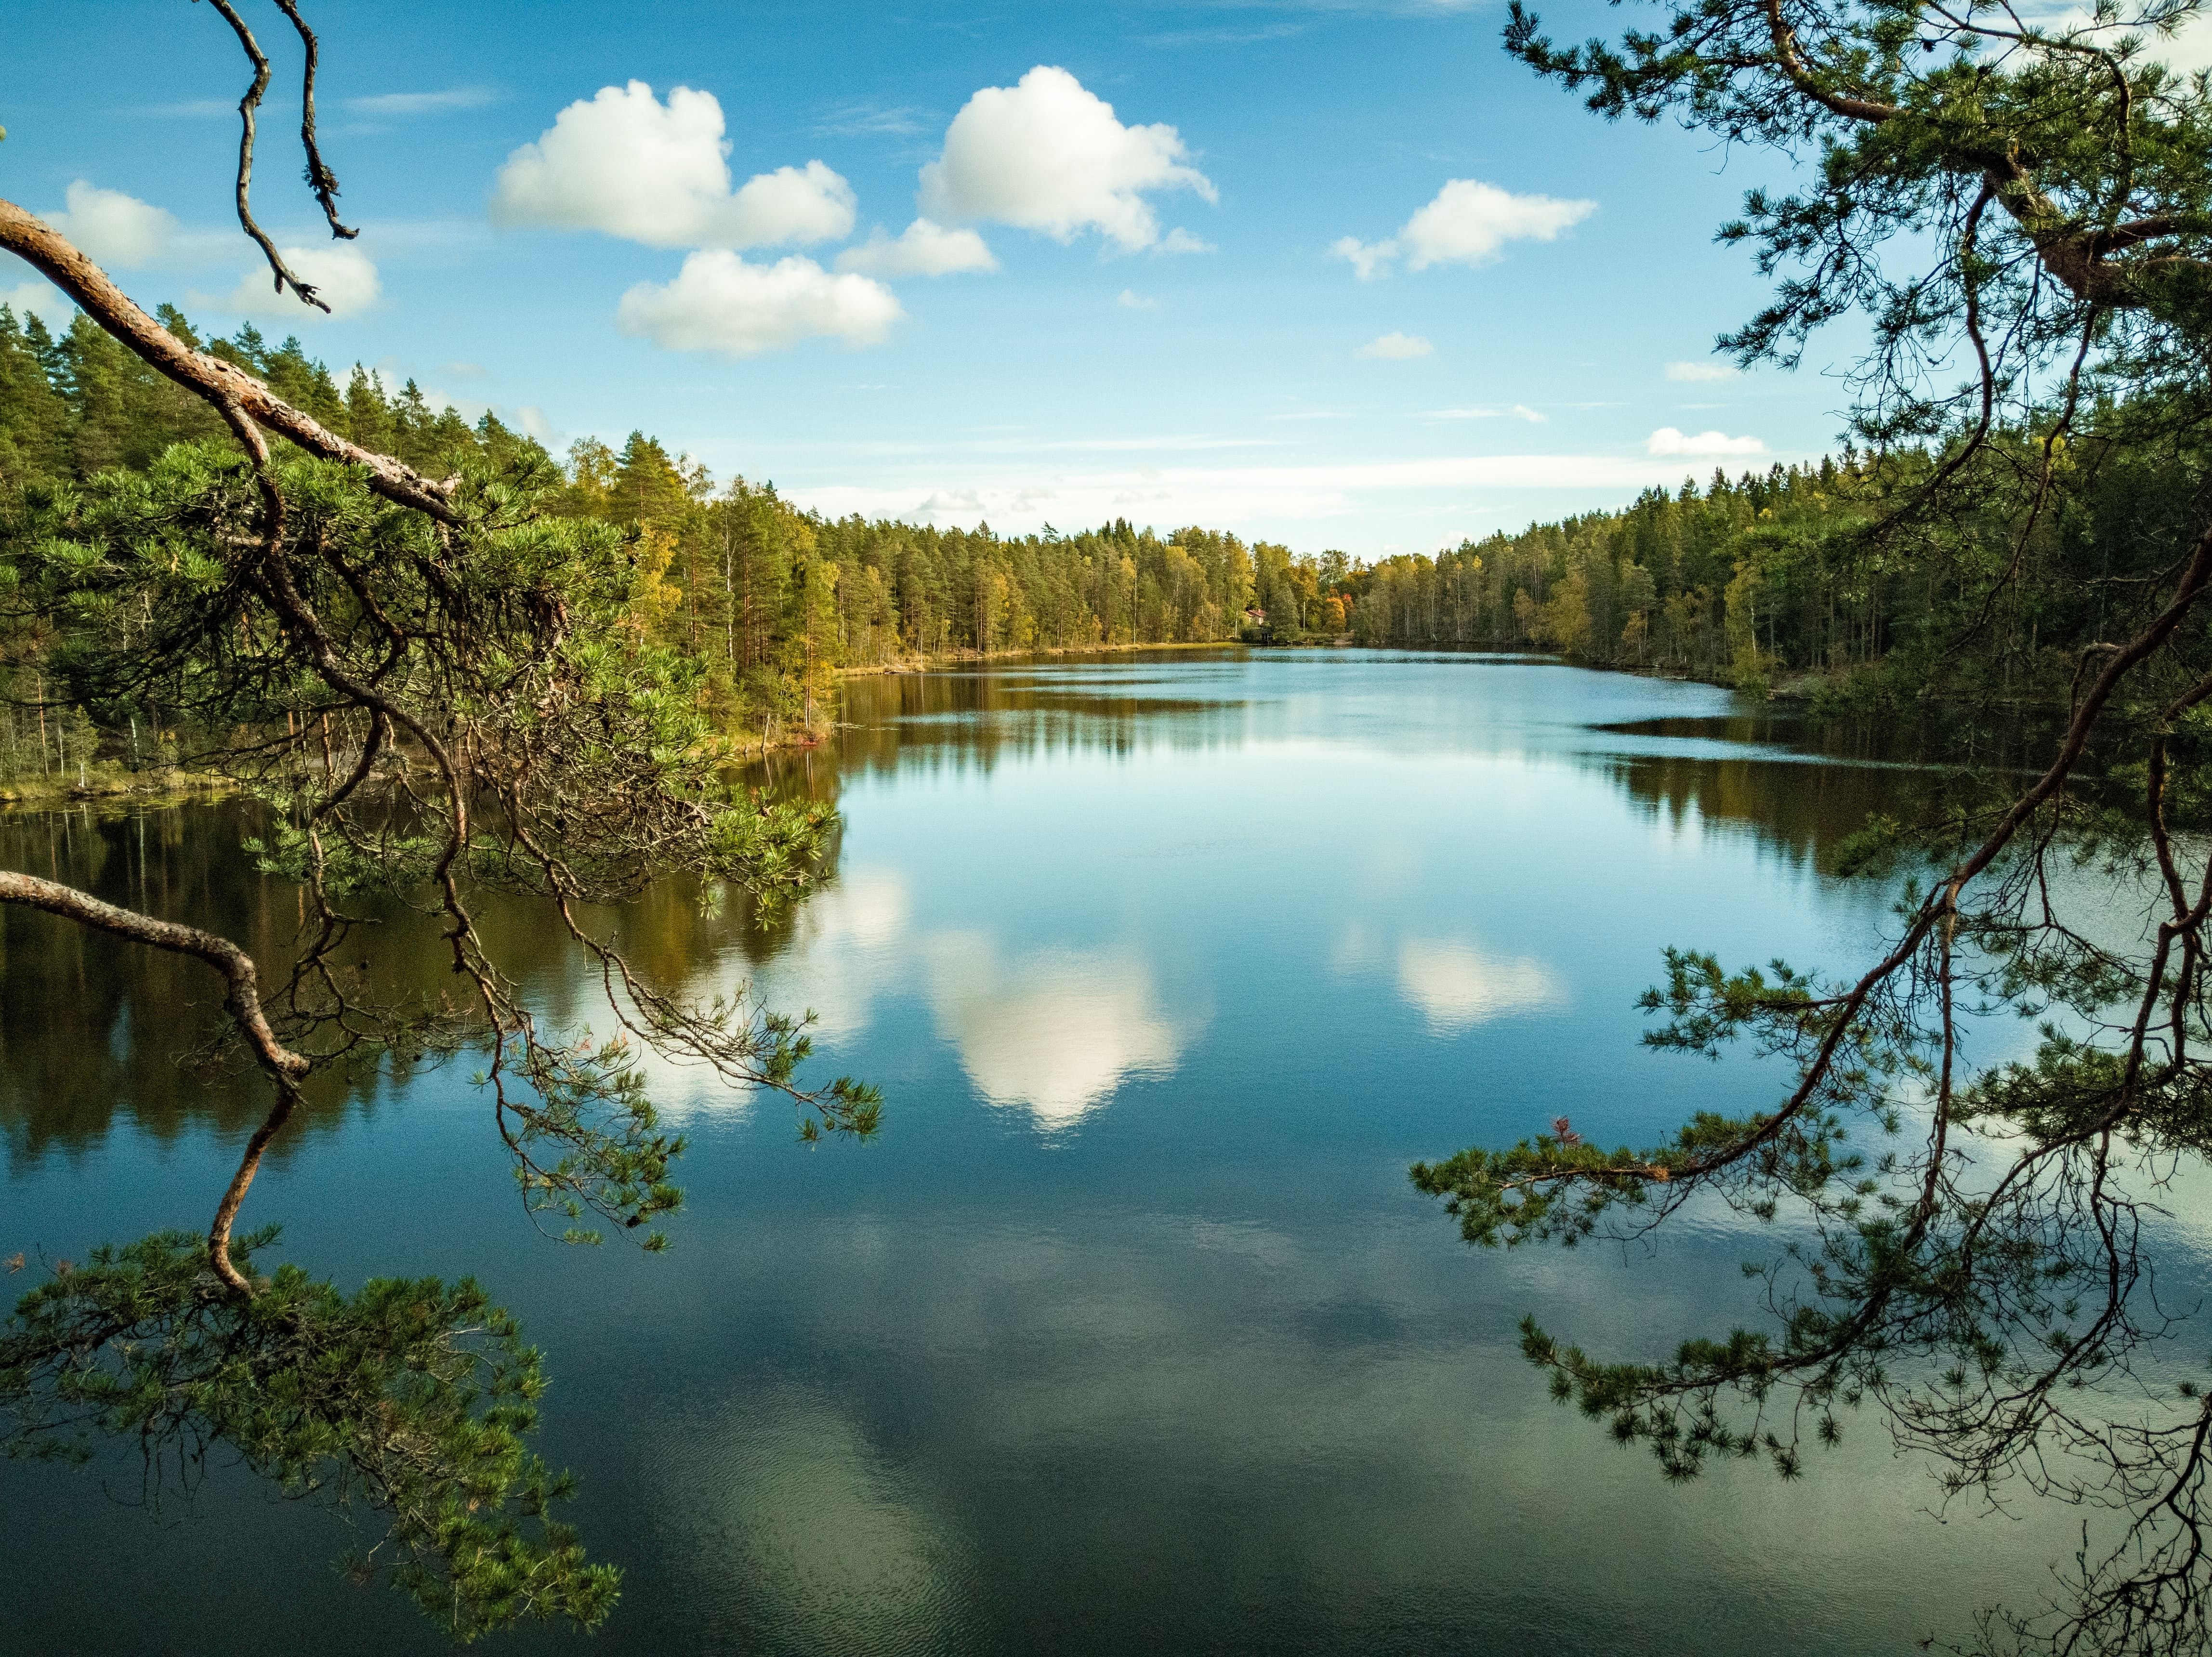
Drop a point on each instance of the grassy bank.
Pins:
(106, 781)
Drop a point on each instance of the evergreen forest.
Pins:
(1763, 580)
(769, 602)
(460, 678)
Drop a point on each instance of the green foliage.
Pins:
(760, 602)
(1962, 1248)
(429, 709)
(580, 751)
(1550, 1187)
(1779, 578)
(1767, 578)
(409, 1400)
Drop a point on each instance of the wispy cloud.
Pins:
(855, 119)
(1517, 411)
(1016, 445)
(1397, 348)
(1131, 300)
(1175, 444)
(193, 109)
(401, 104)
(1698, 373)
(1274, 492)
(1230, 36)
(440, 241)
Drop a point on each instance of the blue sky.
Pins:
(1531, 271)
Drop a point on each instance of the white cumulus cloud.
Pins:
(626, 164)
(1667, 440)
(41, 300)
(719, 303)
(1369, 259)
(1470, 222)
(344, 277)
(1397, 348)
(795, 205)
(1700, 373)
(112, 229)
(924, 248)
(1047, 154)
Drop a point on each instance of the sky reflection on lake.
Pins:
(1129, 1334)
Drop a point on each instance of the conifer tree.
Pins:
(1970, 1255)
(440, 688)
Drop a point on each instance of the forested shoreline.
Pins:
(770, 601)
(485, 704)
(1773, 577)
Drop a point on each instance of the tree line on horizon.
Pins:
(506, 690)
(1803, 572)
(770, 600)
(1738, 581)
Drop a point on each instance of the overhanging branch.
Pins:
(217, 382)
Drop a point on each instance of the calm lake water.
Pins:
(1128, 1335)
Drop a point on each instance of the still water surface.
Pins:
(1128, 1333)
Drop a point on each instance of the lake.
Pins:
(1128, 1333)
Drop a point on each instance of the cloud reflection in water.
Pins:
(819, 1530)
(1052, 1031)
(1453, 983)
(1457, 986)
(1056, 1031)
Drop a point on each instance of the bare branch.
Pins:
(221, 384)
(246, 107)
(243, 1003)
(320, 179)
